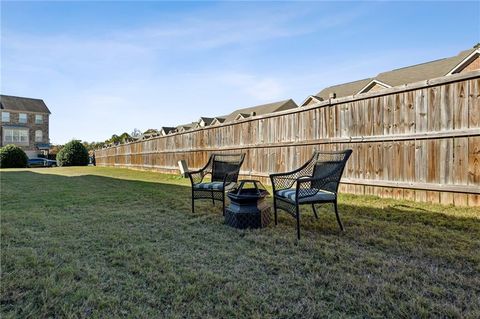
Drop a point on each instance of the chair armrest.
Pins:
(287, 179)
(196, 177)
(284, 174)
(296, 172)
(282, 181)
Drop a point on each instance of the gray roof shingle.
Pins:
(206, 120)
(185, 127)
(167, 129)
(409, 74)
(344, 89)
(262, 109)
(423, 71)
(17, 103)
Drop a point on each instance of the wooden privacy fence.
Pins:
(418, 142)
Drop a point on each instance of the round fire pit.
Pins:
(248, 207)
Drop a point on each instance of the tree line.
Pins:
(114, 139)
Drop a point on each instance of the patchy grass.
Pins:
(102, 242)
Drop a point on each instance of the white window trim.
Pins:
(19, 142)
(26, 118)
(239, 117)
(311, 97)
(371, 84)
(38, 121)
(8, 117)
(465, 62)
(41, 136)
(216, 121)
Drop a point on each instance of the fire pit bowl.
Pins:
(248, 207)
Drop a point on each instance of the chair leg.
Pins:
(223, 206)
(275, 211)
(298, 221)
(193, 203)
(338, 217)
(314, 211)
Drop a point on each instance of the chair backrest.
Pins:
(226, 163)
(330, 166)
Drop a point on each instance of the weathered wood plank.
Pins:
(474, 161)
(434, 109)
(446, 168)
(460, 105)
(474, 103)
(418, 142)
(467, 189)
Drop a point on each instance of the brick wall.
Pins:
(31, 126)
(473, 66)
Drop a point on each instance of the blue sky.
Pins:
(110, 67)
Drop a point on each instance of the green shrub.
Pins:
(12, 156)
(73, 153)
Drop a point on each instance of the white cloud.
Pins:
(154, 75)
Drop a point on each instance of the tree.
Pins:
(114, 139)
(125, 137)
(136, 133)
(12, 156)
(73, 153)
(150, 131)
(96, 145)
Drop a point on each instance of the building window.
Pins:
(16, 136)
(38, 136)
(22, 118)
(5, 117)
(23, 136)
(38, 119)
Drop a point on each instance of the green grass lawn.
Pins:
(103, 242)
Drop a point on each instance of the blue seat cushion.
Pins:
(215, 186)
(320, 196)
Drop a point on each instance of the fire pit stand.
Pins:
(248, 207)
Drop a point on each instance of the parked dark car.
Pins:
(41, 162)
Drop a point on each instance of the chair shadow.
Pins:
(394, 224)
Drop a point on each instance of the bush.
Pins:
(73, 153)
(12, 156)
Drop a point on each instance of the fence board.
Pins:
(420, 141)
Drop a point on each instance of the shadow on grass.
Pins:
(112, 243)
(406, 220)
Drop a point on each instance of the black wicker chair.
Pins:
(223, 170)
(315, 182)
